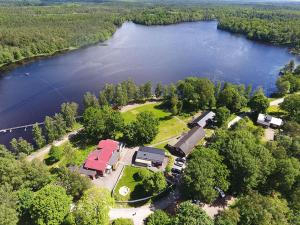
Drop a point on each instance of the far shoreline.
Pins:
(16, 63)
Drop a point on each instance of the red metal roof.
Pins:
(98, 159)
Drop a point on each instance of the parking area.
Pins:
(110, 180)
(179, 165)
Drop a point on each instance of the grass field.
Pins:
(275, 110)
(130, 180)
(72, 155)
(169, 126)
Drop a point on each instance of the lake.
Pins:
(156, 53)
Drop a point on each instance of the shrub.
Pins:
(55, 154)
(142, 174)
(122, 221)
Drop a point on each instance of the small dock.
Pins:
(24, 127)
(11, 129)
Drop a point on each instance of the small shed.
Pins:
(203, 120)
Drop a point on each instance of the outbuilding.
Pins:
(148, 156)
(269, 121)
(203, 120)
(188, 141)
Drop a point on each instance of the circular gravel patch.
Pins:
(124, 190)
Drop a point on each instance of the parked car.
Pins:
(197, 202)
(176, 171)
(178, 163)
(221, 192)
(183, 160)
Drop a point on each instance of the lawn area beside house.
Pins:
(169, 126)
(131, 180)
(71, 155)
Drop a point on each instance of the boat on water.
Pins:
(27, 74)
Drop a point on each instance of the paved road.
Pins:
(41, 153)
(136, 214)
(276, 102)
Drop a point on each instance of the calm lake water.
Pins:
(156, 53)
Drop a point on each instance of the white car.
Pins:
(180, 164)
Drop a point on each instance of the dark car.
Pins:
(177, 171)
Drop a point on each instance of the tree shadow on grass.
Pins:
(138, 193)
(81, 140)
(165, 118)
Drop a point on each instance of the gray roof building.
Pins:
(203, 119)
(187, 142)
(150, 156)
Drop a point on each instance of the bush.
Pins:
(170, 164)
(142, 174)
(55, 154)
(122, 221)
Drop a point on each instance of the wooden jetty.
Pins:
(11, 129)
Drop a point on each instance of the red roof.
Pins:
(98, 159)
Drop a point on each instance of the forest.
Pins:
(29, 31)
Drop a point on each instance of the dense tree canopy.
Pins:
(102, 123)
(249, 162)
(191, 214)
(159, 217)
(93, 207)
(291, 104)
(31, 31)
(8, 206)
(204, 172)
(256, 209)
(50, 205)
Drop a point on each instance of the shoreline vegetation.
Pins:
(43, 31)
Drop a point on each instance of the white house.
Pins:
(269, 121)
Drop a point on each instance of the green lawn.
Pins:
(130, 180)
(72, 155)
(275, 110)
(169, 126)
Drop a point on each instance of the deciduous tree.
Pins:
(259, 102)
(222, 116)
(93, 207)
(69, 113)
(205, 171)
(159, 217)
(90, 100)
(50, 205)
(191, 214)
(155, 183)
(143, 130)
